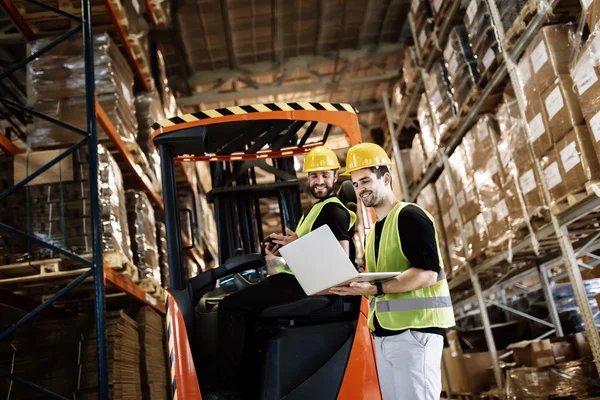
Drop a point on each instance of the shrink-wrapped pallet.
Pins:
(142, 229)
(429, 138)
(440, 98)
(58, 85)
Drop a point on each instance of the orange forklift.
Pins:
(319, 347)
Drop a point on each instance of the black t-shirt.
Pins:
(417, 238)
(338, 219)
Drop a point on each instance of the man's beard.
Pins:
(321, 194)
(372, 198)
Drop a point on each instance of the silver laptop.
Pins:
(319, 263)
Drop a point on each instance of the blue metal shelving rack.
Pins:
(90, 138)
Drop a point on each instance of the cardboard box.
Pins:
(562, 107)
(592, 13)
(563, 352)
(553, 174)
(538, 128)
(579, 344)
(586, 77)
(550, 54)
(578, 158)
(477, 237)
(28, 163)
(528, 383)
(529, 182)
(533, 354)
(467, 372)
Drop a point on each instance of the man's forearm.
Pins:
(409, 280)
(345, 245)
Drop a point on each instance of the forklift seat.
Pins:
(310, 307)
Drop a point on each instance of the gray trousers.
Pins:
(409, 365)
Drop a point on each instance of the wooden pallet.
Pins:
(150, 286)
(528, 12)
(488, 105)
(12, 272)
(591, 189)
(141, 58)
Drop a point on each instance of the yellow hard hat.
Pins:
(320, 158)
(365, 155)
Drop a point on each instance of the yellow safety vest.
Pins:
(429, 307)
(307, 221)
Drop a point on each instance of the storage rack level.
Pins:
(565, 237)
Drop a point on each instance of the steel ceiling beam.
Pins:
(366, 52)
(271, 91)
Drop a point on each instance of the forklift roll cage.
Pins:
(238, 135)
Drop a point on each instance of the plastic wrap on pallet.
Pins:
(466, 191)
(429, 138)
(562, 107)
(578, 159)
(417, 158)
(585, 74)
(591, 9)
(553, 173)
(142, 228)
(564, 297)
(550, 52)
(420, 18)
(56, 207)
(163, 257)
(461, 65)
(58, 85)
(440, 97)
(573, 380)
(148, 109)
(480, 145)
(410, 70)
(508, 115)
(529, 181)
(450, 217)
(509, 11)
(427, 200)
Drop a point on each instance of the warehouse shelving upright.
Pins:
(95, 267)
(102, 274)
(562, 240)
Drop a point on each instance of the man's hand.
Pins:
(282, 240)
(355, 289)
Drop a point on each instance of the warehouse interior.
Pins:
(488, 109)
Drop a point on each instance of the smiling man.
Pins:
(238, 312)
(407, 314)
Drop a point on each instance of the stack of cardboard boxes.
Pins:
(429, 136)
(56, 205)
(482, 36)
(58, 83)
(142, 229)
(555, 118)
(421, 21)
(461, 64)
(417, 158)
(536, 369)
(440, 99)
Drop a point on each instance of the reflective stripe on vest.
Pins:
(413, 304)
(423, 308)
(307, 221)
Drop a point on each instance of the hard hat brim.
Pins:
(348, 172)
(321, 169)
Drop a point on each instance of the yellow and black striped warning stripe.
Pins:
(171, 342)
(253, 108)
